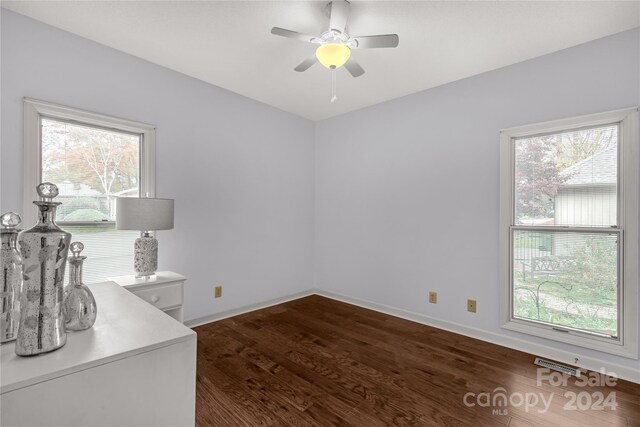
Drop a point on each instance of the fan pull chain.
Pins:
(333, 86)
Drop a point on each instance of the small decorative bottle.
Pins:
(79, 306)
(11, 277)
(44, 249)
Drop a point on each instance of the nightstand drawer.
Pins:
(163, 290)
(161, 296)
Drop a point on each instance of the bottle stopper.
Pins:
(47, 191)
(76, 248)
(10, 220)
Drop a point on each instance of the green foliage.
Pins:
(589, 319)
(86, 215)
(73, 204)
(583, 295)
(595, 270)
(526, 307)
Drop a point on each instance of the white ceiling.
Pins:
(228, 43)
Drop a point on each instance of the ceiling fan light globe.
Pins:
(333, 55)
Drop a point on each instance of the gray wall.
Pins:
(407, 191)
(241, 172)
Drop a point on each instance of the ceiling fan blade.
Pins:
(382, 40)
(292, 34)
(306, 64)
(339, 15)
(353, 67)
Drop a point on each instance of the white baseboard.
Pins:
(246, 309)
(589, 363)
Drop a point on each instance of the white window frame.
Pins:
(35, 111)
(626, 344)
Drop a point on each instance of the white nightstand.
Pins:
(165, 290)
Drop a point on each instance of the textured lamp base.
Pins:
(146, 256)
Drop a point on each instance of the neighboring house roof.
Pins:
(598, 169)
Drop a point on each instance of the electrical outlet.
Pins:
(433, 297)
(471, 305)
(217, 292)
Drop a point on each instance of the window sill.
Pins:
(602, 344)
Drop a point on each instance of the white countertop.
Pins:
(125, 326)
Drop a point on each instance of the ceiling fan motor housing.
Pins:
(335, 43)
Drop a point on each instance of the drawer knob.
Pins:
(155, 299)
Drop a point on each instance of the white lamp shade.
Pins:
(144, 214)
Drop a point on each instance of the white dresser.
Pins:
(134, 367)
(164, 290)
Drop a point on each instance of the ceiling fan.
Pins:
(335, 44)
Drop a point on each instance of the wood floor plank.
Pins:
(319, 362)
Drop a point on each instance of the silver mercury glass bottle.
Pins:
(44, 251)
(11, 277)
(79, 306)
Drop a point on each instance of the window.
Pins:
(93, 159)
(569, 230)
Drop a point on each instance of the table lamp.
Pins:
(145, 215)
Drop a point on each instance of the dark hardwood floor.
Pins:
(316, 361)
